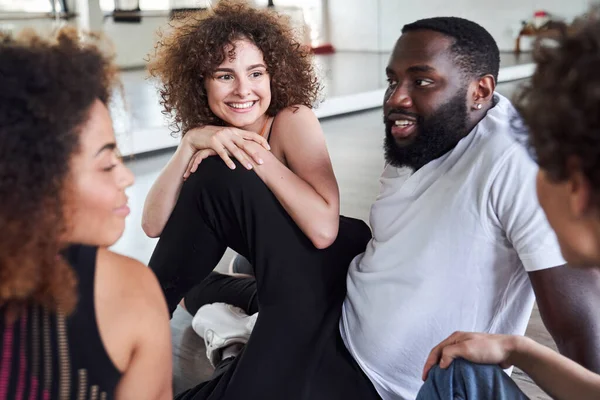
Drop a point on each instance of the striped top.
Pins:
(47, 356)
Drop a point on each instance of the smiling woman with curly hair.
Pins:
(232, 78)
(189, 55)
(72, 313)
(252, 172)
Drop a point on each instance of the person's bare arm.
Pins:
(560, 377)
(149, 374)
(133, 322)
(197, 144)
(165, 190)
(307, 187)
(568, 300)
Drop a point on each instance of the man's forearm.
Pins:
(568, 298)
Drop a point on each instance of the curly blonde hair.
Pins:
(48, 88)
(195, 47)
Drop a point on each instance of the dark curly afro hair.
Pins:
(48, 87)
(195, 46)
(561, 105)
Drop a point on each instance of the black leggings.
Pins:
(300, 289)
(220, 288)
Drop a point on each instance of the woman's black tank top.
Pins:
(47, 356)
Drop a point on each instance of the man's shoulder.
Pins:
(501, 138)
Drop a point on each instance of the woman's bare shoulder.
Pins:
(296, 120)
(127, 299)
(296, 112)
(126, 278)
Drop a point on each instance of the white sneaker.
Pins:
(221, 325)
(251, 322)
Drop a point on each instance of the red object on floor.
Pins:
(326, 48)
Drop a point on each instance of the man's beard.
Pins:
(435, 136)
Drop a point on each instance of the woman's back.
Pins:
(47, 355)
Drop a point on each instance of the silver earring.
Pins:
(478, 106)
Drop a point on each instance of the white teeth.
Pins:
(403, 122)
(242, 105)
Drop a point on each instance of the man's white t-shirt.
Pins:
(452, 245)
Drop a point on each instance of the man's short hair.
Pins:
(474, 49)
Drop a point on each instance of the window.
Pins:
(155, 5)
(145, 5)
(190, 4)
(296, 3)
(34, 6)
(107, 5)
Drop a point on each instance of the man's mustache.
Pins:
(401, 113)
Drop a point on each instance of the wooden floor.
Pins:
(355, 144)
